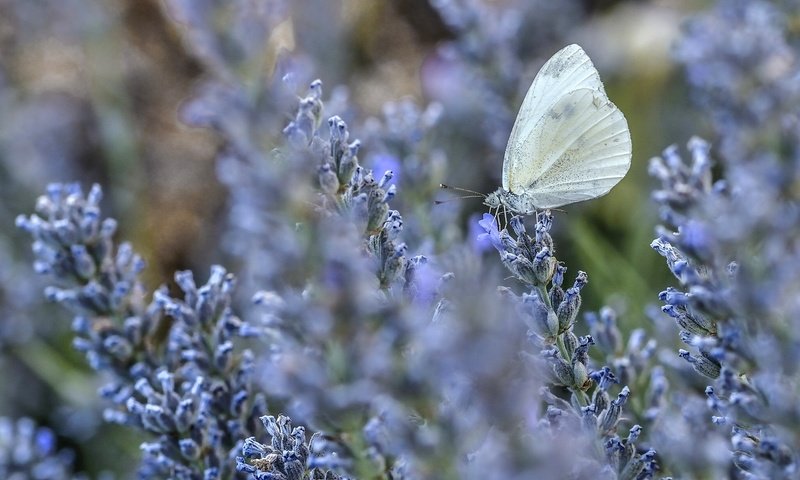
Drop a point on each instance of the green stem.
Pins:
(580, 395)
(542, 290)
(562, 349)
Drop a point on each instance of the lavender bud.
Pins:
(702, 364)
(570, 343)
(349, 163)
(84, 264)
(538, 316)
(189, 448)
(568, 309)
(580, 375)
(564, 372)
(544, 265)
(328, 181)
(377, 210)
(607, 421)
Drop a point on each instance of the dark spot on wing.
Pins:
(566, 110)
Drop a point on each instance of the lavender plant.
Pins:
(589, 415)
(730, 244)
(315, 267)
(347, 325)
(29, 452)
(175, 370)
(314, 259)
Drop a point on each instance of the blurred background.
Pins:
(95, 90)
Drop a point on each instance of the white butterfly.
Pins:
(569, 142)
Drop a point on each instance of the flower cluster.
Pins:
(176, 369)
(550, 312)
(29, 452)
(731, 245)
(288, 456)
(346, 325)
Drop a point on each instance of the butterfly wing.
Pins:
(568, 70)
(580, 148)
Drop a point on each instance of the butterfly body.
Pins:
(569, 142)
(518, 204)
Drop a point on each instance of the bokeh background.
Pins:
(96, 90)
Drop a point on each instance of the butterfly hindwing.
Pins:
(581, 146)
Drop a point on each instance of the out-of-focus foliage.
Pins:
(360, 329)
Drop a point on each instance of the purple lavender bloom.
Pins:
(491, 235)
(175, 372)
(288, 455)
(387, 163)
(551, 313)
(28, 451)
(709, 239)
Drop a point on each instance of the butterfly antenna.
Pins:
(459, 189)
(439, 202)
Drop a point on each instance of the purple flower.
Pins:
(491, 235)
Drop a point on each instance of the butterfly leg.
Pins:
(493, 211)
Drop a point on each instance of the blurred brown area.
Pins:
(424, 20)
(104, 95)
(183, 197)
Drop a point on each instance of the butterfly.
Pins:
(569, 143)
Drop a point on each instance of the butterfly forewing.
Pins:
(582, 148)
(569, 69)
